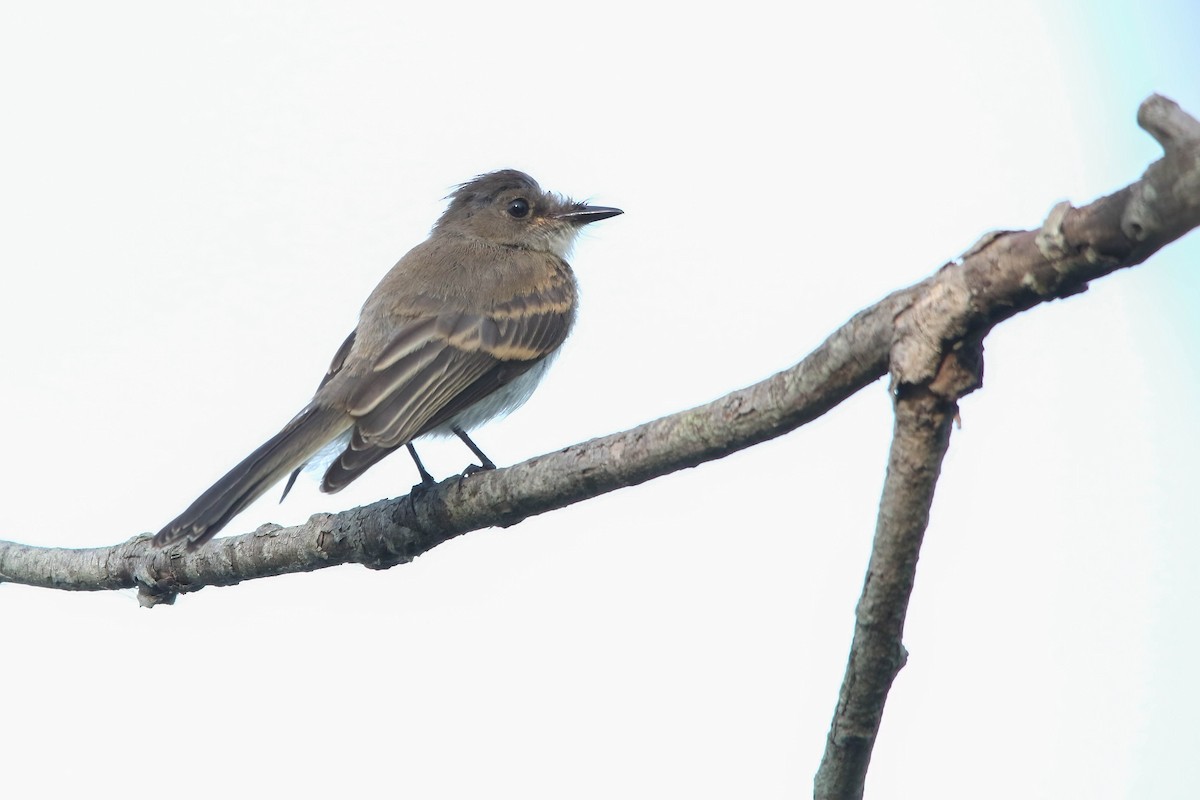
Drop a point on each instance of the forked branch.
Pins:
(909, 332)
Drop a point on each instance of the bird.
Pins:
(459, 332)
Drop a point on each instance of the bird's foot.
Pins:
(474, 468)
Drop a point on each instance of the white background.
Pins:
(197, 198)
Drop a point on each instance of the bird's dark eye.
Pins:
(518, 208)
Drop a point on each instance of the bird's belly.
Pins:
(499, 403)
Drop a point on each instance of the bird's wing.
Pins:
(335, 366)
(436, 366)
(339, 359)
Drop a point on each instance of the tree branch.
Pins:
(924, 415)
(1003, 274)
(920, 440)
(937, 358)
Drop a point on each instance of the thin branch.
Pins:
(919, 442)
(1002, 275)
(937, 358)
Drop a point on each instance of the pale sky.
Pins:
(198, 199)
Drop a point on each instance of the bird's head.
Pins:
(508, 207)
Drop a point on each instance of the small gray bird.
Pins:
(460, 331)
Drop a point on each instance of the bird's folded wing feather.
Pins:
(436, 366)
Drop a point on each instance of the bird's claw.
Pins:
(474, 468)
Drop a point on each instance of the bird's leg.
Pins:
(426, 479)
(484, 460)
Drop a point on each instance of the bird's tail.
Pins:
(308, 431)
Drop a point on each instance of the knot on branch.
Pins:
(1172, 184)
(960, 373)
(156, 584)
(1051, 240)
(1060, 254)
(149, 596)
(930, 346)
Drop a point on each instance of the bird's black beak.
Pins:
(582, 215)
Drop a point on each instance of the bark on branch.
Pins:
(920, 440)
(1006, 272)
(937, 357)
